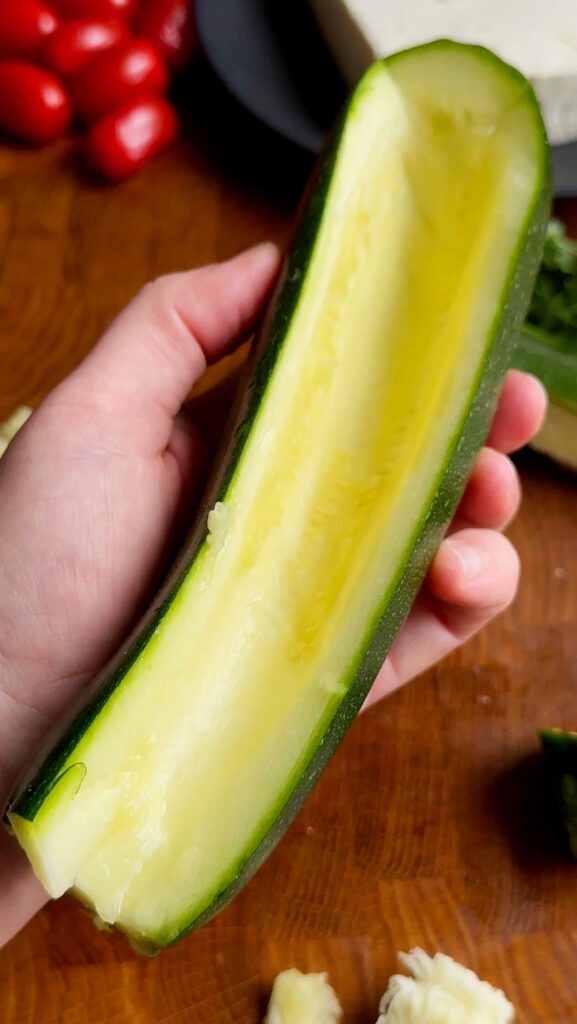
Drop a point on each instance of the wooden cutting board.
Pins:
(433, 825)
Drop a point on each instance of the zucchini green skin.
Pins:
(452, 477)
(560, 749)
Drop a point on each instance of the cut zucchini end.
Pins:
(26, 833)
(560, 747)
(406, 286)
(52, 866)
(558, 436)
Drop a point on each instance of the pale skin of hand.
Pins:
(95, 485)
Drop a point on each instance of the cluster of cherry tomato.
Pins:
(105, 62)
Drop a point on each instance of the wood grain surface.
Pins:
(433, 825)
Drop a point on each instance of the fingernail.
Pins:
(469, 557)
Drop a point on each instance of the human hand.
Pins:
(98, 482)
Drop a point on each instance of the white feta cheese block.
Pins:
(539, 37)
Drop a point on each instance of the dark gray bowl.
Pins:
(272, 58)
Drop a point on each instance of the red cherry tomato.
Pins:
(126, 140)
(101, 9)
(33, 103)
(133, 68)
(171, 25)
(24, 27)
(75, 45)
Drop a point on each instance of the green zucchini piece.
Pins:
(558, 435)
(547, 345)
(556, 368)
(561, 752)
(377, 374)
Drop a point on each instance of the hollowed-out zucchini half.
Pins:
(376, 377)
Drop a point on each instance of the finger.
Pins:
(144, 367)
(475, 571)
(493, 493)
(473, 578)
(520, 413)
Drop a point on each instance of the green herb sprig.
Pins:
(553, 308)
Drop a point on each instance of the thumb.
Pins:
(141, 371)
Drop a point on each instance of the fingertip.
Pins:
(493, 493)
(475, 569)
(221, 303)
(455, 564)
(520, 413)
(264, 254)
(535, 398)
(260, 264)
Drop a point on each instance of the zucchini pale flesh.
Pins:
(379, 367)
